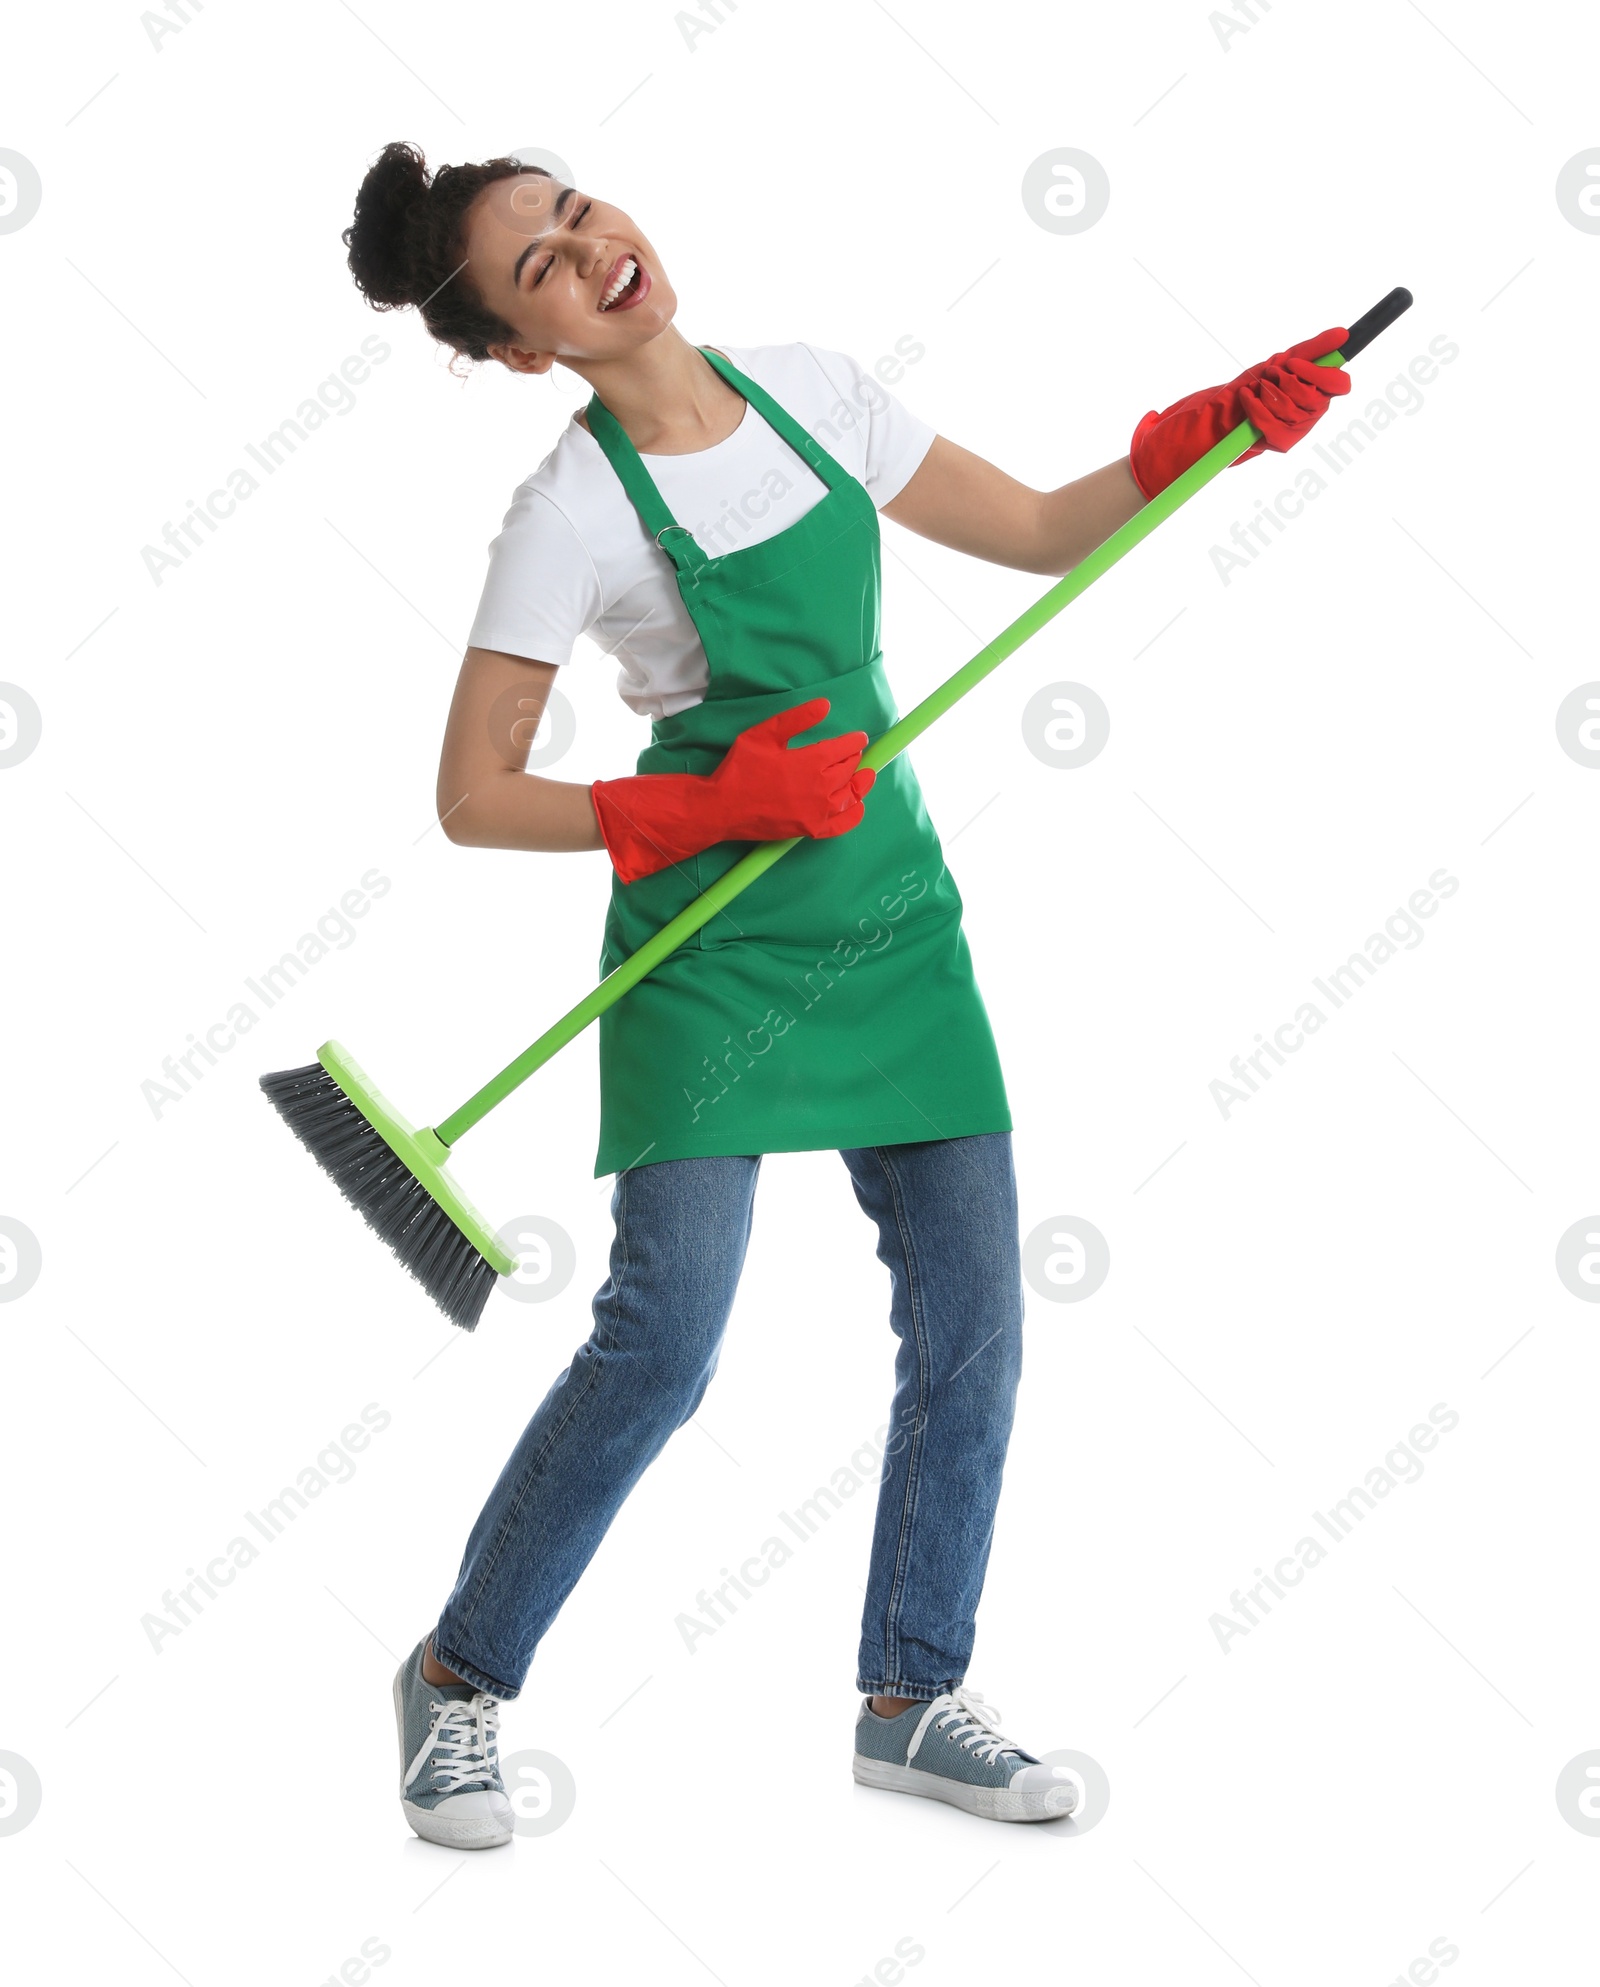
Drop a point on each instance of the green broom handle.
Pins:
(889, 744)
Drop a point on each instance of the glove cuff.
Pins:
(645, 821)
(1146, 424)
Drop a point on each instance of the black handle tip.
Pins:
(1379, 318)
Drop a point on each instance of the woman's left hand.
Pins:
(1283, 398)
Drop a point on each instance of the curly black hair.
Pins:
(406, 244)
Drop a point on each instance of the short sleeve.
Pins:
(896, 440)
(541, 591)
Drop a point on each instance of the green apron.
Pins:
(832, 1004)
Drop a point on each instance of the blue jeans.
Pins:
(946, 1214)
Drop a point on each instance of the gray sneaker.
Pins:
(450, 1785)
(951, 1749)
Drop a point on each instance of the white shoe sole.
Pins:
(993, 1803)
(449, 1831)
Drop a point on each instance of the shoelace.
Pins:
(965, 1712)
(464, 1739)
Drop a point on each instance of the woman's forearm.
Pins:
(484, 797)
(504, 809)
(1081, 515)
(963, 501)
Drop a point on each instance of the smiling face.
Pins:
(575, 279)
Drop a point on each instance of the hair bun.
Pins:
(408, 244)
(383, 239)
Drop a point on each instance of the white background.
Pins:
(1370, 1770)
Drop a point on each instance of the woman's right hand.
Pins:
(765, 790)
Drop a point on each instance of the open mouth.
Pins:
(626, 283)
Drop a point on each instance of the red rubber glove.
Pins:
(1285, 396)
(765, 790)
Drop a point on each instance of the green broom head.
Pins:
(395, 1177)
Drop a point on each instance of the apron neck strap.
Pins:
(675, 539)
(624, 458)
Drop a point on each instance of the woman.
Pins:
(832, 1006)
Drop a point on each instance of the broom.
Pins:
(396, 1176)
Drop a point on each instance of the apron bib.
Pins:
(832, 1004)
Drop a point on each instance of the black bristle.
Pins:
(384, 1191)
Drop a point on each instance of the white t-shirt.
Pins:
(573, 557)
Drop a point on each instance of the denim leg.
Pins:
(682, 1227)
(946, 1213)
